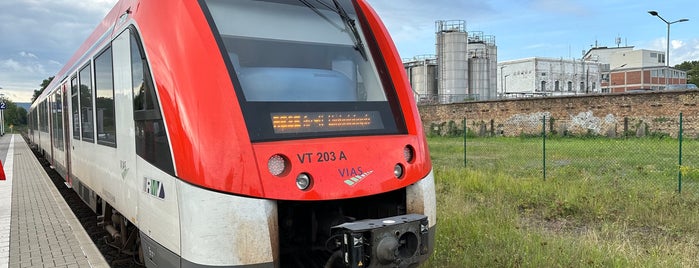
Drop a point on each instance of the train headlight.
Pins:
(409, 153)
(303, 181)
(398, 171)
(278, 165)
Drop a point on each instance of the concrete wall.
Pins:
(601, 114)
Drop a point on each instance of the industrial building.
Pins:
(548, 77)
(625, 69)
(465, 68)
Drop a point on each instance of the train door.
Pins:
(67, 136)
(131, 184)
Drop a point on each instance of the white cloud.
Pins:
(10, 64)
(28, 55)
(676, 44)
(31, 67)
(17, 95)
(680, 50)
(687, 51)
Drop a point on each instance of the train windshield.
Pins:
(303, 68)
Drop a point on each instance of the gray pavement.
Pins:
(43, 231)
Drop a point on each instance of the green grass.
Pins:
(605, 203)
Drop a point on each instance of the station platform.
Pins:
(37, 228)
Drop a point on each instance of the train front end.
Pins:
(309, 151)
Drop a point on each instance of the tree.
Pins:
(43, 85)
(14, 114)
(692, 69)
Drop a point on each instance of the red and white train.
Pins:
(247, 133)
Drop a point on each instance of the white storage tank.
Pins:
(422, 74)
(452, 53)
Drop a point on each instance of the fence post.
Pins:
(679, 172)
(543, 135)
(465, 130)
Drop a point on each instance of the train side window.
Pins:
(43, 117)
(57, 117)
(40, 118)
(86, 116)
(104, 94)
(75, 106)
(152, 143)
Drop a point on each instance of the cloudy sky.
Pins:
(38, 36)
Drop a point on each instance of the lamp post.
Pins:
(667, 51)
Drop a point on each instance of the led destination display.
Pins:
(325, 121)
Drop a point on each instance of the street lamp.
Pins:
(667, 51)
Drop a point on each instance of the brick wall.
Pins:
(600, 114)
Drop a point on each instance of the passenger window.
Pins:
(104, 105)
(86, 120)
(152, 143)
(75, 106)
(43, 117)
(57, 117)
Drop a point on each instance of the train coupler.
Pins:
(398, 241)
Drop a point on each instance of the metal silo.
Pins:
(452, 48)
(482, 59)
(492, 50)
(422, 73)
(477, 66)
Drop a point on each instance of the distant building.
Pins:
(604, 54)
(625, 69)
(548, 77)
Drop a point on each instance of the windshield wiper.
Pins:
(350, 26)
(351, 29)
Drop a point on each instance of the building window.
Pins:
(86, 122)
(556, 86)
(582, 86)
(104, 94)
(543, 85)
(570, 86)
(543, 74)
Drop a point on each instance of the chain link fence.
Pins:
(655, 152)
